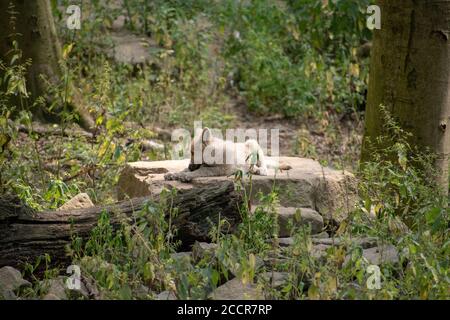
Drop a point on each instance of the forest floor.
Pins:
(161, 71)
(335, 140)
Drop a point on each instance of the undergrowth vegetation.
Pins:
(294, 59)
(410, 216)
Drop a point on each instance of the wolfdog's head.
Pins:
(198, 144)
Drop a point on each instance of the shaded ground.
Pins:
(331, 138)
(335, 140)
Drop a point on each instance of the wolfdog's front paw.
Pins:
(169, 176)
(184, 177)
(262, 171)
(180, 176)
(259, 171)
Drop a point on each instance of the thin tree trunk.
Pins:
(410, 75)
(34, 29)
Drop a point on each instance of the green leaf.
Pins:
(432, 215)
(215, 276)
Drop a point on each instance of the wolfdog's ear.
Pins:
(206, 136)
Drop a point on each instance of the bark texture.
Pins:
(31, 24)
(410, 75)
(25, 235)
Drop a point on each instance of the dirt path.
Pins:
(333, 139)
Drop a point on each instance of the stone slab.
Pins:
(332, 193)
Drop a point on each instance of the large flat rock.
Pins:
(235, 289)
(332, 193)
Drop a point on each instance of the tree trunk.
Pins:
(410, 75)
(25, 236)
(34, 29)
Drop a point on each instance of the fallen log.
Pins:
(24, 236)
(49, 131)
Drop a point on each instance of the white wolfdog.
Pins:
(208, 154)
